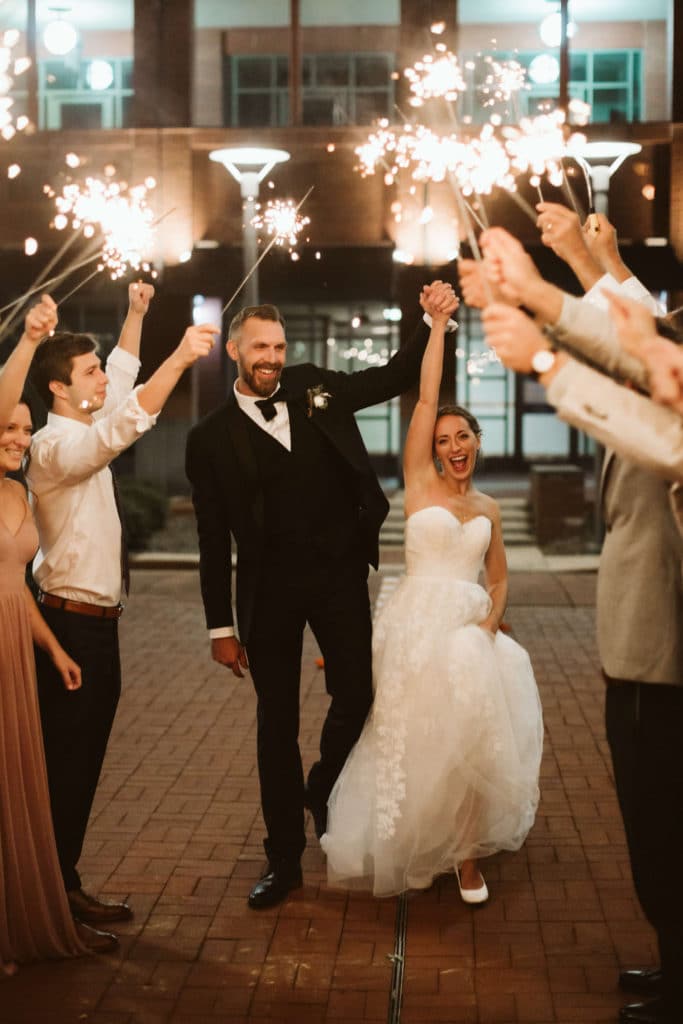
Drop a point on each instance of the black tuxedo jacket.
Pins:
(227, 493)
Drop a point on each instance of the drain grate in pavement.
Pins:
(398, 960)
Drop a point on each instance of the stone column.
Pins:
(162, 72)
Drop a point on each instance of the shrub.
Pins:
(145, 509)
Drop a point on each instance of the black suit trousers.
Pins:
(644, 730)
(332, 596)
(76, 725)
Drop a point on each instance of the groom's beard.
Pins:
(257, 383)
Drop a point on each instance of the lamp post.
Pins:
(609, 156)
(249, 165)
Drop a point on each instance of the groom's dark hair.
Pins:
(263, 312)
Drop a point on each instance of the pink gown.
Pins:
(35, 921)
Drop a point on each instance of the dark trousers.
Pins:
(76, 725)
(645, 734)
(333, 599)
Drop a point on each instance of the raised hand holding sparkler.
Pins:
(561, 231)
(508, 265)
(41, 320)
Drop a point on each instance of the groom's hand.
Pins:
(228, 651)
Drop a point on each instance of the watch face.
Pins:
(542, 360)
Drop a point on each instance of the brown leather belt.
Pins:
(80, 607)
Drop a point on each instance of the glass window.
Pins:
(338, 88)
(253, 109)
(281, 71)
(67, 92)
(332, 69)
(318, 109)
(370, 106)
(578, 66)
(254, 72)
(57, 74)
(373, 70)
(608, 80)
(81, 116)
(610, 67)
(610, 105)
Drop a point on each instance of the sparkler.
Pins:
(121, 213)
(9, 69)
(474, 164)
(282, 222)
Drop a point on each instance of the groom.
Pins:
(282, 467)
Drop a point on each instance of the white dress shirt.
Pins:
(278, 427)
(73, 501)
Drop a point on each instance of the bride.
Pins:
(446, 769)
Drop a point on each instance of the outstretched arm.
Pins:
(363, 388)
(418, 463)
(196, 343)
(40, 320)
(58, 456)
(139, 297)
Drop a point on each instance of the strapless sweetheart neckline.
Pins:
(451, 515)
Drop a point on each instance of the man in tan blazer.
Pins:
(640, 628)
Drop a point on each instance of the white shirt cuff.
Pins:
(452, 325)
(221, 631)
(125, 361)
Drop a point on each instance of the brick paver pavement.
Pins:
(177, 830)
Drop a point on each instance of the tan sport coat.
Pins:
(640, 581)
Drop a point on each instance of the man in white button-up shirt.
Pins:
(94, 416)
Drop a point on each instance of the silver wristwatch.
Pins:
(542, 361)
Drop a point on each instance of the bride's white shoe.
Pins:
(479, 895)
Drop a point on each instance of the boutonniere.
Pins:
(317, 398)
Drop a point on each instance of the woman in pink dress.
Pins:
(35, 920)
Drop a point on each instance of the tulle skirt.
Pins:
(447, 765)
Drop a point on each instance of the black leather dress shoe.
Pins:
(274, 886)
(651, 1012)
(319, 814)
(647, 981)
(89, 910)
(96, 941)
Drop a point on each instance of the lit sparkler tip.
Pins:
(281, 220)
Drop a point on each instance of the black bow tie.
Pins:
(267, 405)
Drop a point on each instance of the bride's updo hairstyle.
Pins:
(457, 410)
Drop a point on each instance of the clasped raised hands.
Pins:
(439, 301)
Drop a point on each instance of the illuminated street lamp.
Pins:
(249, 165)
(609, 157)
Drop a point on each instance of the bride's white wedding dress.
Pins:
(447, 765)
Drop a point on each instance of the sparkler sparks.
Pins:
(435, 77)
(281, 221)
(120, 212)
(503, 82)
(537, 147)
(9, 69)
